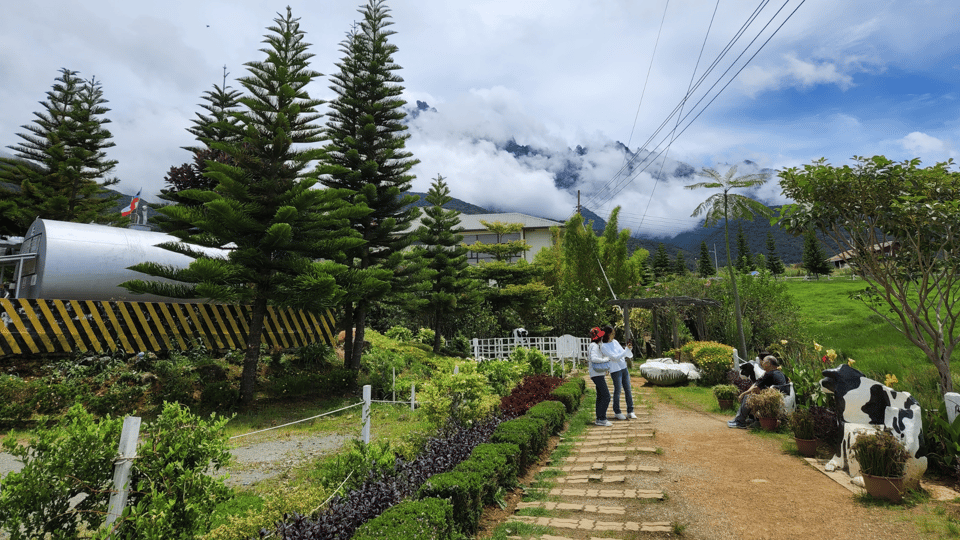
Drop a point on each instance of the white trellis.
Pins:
(561, 348)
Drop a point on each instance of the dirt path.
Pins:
(718, 484)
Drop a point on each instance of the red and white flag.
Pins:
(133, 204)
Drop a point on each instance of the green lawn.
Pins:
(839, 322)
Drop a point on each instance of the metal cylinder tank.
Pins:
(79, 261)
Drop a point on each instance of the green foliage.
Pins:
(400, 333)
(814, 259)
(62, 166)
(944, 440)
(464, 490)
(171, 493)
(729, 206)
(713, 361)
(801, 423)
(725, 392)
(365, 154)
(774, 264)
(529, 434)
(567, 310)
(17, 401)
(496, 464)
(553, 413)
(233, 521)
(427, 336)
(60, 462)
(447, 286)
(744, 258)
(898, 223)
(353, 467)
(880, 454)
(502, 375)
(705, 266)
(380, 366)
(533, 360)
(463, 397)
(570, 394)
(287, 234)
(661, 262)
(424, 519)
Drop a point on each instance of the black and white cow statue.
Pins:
(753, 371)
(519, 335)
(865, 405)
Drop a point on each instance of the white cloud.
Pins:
(794, 72)
(921, 143)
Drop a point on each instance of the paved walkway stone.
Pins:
(592, 525)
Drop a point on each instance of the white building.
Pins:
(535, 231)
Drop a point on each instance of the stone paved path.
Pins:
(604, 477)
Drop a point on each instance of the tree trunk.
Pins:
(733, 282)
(251, 358)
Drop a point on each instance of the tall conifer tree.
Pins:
(774, 263)
(444, 258)
(264, 205)
(61, 165)
(704, 264)
(366, 155)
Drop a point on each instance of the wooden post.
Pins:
(365, 433)
(121, 469)
(656, 331)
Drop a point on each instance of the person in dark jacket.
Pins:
(772, 376)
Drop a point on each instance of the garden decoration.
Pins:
(726, 394)
(767, 406)
(801, 423)
(882, 459)
(864, 406)
(668, 372)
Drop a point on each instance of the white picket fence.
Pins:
(565, 347)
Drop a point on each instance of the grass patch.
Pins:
(512, 529)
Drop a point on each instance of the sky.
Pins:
(805, 80)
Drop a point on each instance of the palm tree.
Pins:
(729, 206)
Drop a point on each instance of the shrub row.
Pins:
(457, 494)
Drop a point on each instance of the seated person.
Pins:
(772, 376)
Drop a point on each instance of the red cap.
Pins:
(596, 333)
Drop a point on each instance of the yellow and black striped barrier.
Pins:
(37, 327)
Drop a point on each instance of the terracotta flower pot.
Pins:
(725, 404)
(883, 487)
(807, 447)
(769, 423)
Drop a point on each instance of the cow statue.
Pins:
(519, 336)
(753, 371)
(864, 405)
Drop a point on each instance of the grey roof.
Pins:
(471, 222)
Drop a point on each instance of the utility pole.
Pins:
(716, 264)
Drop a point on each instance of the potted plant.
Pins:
(767, 405)
(726, 394)
(802, 425)
(883, 460)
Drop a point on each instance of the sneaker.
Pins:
(620, 416)
(604, 423)
(631, 415)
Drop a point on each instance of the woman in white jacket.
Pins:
(611, 349)
(599, 367)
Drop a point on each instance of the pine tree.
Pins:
(265, 205)
(444, 259)
(661, 262)
(814, 259)
(61, 166)
(704, 265)
(366, 155)
(514, 293)
(221, 125)
(774, 264)
(744, 261)
(679, 265)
